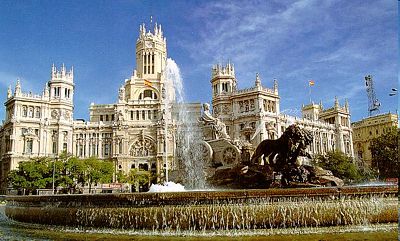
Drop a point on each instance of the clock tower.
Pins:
(151, 53)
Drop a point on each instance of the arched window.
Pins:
(30, 112)
(24, 111)
(37, 112)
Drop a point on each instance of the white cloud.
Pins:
(336, 42)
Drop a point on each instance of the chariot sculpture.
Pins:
(273, 163)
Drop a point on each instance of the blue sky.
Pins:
(335, 43)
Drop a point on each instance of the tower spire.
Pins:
(336, 103)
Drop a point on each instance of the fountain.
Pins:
(206, 152)
(212, 210)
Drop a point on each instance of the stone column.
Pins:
(100, 154)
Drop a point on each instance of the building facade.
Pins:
(131, 132)
(138, 131)
(253, 114)
(367, 129)
(37, 125)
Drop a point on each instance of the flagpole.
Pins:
(310, 84)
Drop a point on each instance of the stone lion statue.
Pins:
(276, 153)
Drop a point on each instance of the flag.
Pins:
(311, 82)
(147, 83)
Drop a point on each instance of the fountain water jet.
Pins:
(189, 153)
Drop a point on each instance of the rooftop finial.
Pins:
(336, 102)
(275, 85)
(258, 81)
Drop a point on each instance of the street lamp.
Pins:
(54, 170)
(394, 92)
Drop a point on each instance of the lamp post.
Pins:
(394, 93)
(54, 170)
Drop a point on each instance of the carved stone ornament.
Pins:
(230, 156)
(67, 115)
(55, 114)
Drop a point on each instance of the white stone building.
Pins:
(131, 132)
(253, 114)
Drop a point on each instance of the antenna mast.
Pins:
(373, 103)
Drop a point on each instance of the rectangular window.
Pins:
(54, 147)
(101, 117)
(149, 114)
(143, 167)
(137, 115)
(106, 149)
(155, 114)
(106, 117)
(29, 145)
(143, 115)
(148, 94)
(65, 145)
(131, 114)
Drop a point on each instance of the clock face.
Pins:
(149, 44)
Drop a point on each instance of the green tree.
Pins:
(138, 178)
(341, 165)
(385, 153)
(69, 171)
(122, 177)
(75, 170)
(32, 175)
(97, 171)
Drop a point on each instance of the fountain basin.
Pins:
(212, 210)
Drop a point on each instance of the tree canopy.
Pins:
(341, 165)
(69, 172)
(385, 153)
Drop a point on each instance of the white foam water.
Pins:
(167, 187)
